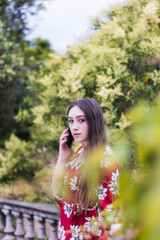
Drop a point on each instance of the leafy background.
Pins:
(119, 65)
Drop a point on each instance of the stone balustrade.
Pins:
(22, 220)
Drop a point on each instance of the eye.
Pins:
(81, 120)
(70, 121)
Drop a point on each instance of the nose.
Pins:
(75, 126)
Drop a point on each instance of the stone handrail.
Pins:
(19, 219)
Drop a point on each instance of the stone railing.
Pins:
(22, 220)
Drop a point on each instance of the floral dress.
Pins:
(71, 222)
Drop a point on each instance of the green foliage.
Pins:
(118, 67)
(18, 59)
(13, 13)
(139, 186)
(12, 85)
(14, 160)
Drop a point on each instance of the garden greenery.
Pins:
(119, 66)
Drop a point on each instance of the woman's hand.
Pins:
(58, 175)
(64, 150)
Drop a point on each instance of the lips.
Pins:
(76, 134)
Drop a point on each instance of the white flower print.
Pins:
(75, 230)
(68, 209)
(75, 165)
(79, 237)
(81, 150)
(100, 218)
(106, 161)
(65, 178)
(92, 225)
(109, 150)
(61, 232)
(76, 234)
(114, 183)
(88, 223)
(102, 192)
(79, 164)
(73, 184)
(58, 198)
(72, 164)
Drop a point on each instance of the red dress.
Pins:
(70, 224)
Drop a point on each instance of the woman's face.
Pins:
(78, 125)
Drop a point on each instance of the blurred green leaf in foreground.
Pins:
(139, 199)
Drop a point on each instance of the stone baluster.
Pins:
(1, 220)
(53, 230)
(30, 227)
(41, 227)
(9, 229)
(19, 233)
(1, 224)
(25, 213)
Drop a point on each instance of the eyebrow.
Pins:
(78, 116)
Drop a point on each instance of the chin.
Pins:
(78, 141)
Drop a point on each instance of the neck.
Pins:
(85, 145)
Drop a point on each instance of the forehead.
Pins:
(75, 111)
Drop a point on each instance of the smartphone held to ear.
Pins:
(69, 138)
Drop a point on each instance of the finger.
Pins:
(63, 141)
(63, 136)
(65, 131)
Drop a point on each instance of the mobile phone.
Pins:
(69, 138)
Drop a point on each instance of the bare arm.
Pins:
(58, 175)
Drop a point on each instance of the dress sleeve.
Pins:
(59, 197)
(58, 200)
(108, 187)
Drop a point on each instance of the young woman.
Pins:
(81, 200)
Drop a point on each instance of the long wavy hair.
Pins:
(97, 139)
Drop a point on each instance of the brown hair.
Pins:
(94, 116)
(97, 139)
